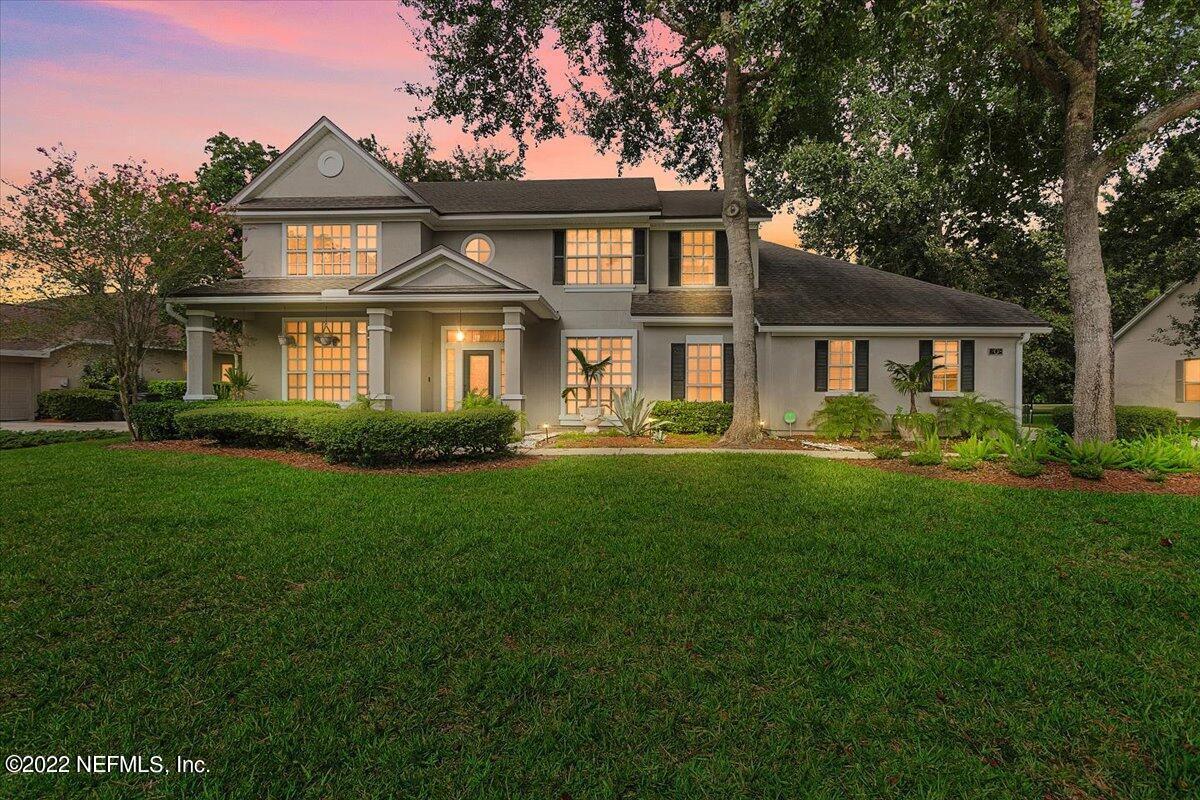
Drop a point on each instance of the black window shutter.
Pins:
(639, 255)
(727, 365)
(560, 258)
(862, 365)
(966, 356)
(722, 259)
(678, 371)
(821, 377)
(673, 248)
(925, 350)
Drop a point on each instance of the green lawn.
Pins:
(692, 626)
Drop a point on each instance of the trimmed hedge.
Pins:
(1132, 421)
(251, 424)
(378, 438)
(77, 405)
(168, 390)
(687, 416)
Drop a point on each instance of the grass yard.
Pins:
(683, 626)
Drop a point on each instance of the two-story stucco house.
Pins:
(1150, 372)
(415, 294)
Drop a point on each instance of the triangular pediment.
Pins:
(441, 268)
(325, 162)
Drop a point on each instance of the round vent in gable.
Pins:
(330, 163)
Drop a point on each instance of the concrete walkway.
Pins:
(553, 452)
(32, 425)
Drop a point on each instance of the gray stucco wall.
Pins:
(303, 179)
(1145, 369)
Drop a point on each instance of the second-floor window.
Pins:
(698, 258)
(599, 257)
(338, 249)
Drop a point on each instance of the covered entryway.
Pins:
(16, 390)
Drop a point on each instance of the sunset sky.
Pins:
(123, 79)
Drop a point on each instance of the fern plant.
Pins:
(928, 452)
(972, 415)
(1105, 455)
(1021, 446)
(1162, 453)
(848, 415)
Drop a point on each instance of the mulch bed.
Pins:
(315, 462)
(676, 441)
(1056, 476)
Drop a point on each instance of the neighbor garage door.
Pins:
(16, 391)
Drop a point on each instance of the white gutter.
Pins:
(1019, 395)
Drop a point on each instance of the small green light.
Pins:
(789, 417)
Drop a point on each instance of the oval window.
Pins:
(478, 248)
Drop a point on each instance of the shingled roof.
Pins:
(33, 327)
(797, 287)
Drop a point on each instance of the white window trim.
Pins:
(308, 354)
(308, 226)
(496, 347)
(605, 287)
(949, 392)
(462, 246)
(574, 419)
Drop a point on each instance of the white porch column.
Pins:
(379, 346)
(514, 396)
(199, 356)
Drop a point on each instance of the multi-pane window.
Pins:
(478, 248)
(617, 378)
(332, 249)
(326, 359)
(366, 248)
(946, 363)
(1190, 390)
(841, 365)
(698, 258)
(705, 372)
(599, 257)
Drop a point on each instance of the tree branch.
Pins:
(1030, 60)
(1142, 130)
(1067, 64)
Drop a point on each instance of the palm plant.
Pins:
(592, 371)
(912, 378)
(240, 383)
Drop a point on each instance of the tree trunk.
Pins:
(1091, 308)
(745, 428)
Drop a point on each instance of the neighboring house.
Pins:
(414, 294)
(34, 357)
(1150, 373)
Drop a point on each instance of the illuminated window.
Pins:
(478, 248)
(454, 348)
(705, 372)
(297, 249)
(366, 248)
(332, 249)
(474, 335)
(225, 372)
(1190, 372)
(599, 257)
(326, 359)
(698, 258)
(841, 365)
(945, 359)
(617, 378)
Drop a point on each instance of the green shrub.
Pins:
(77, 405)
(263, 424)
(12, 440)
(848, 415)
(1021, 446)
(1025, 467)
(962, 464)
(886, 452)
(977, 449)
(1106, 455)
(920, 422)
(1132, 421)
(686, 416)
(474, 399)
(223, 391)
(1162, 453)
(167, 390)
(378, 438)
(928, 452)
(972, 415)
(1088, 470)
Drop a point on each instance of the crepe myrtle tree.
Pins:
(691, 83)
(102, 248)
(1057, 95)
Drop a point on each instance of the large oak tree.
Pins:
(694, 84)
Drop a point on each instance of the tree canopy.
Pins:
(416, 161)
